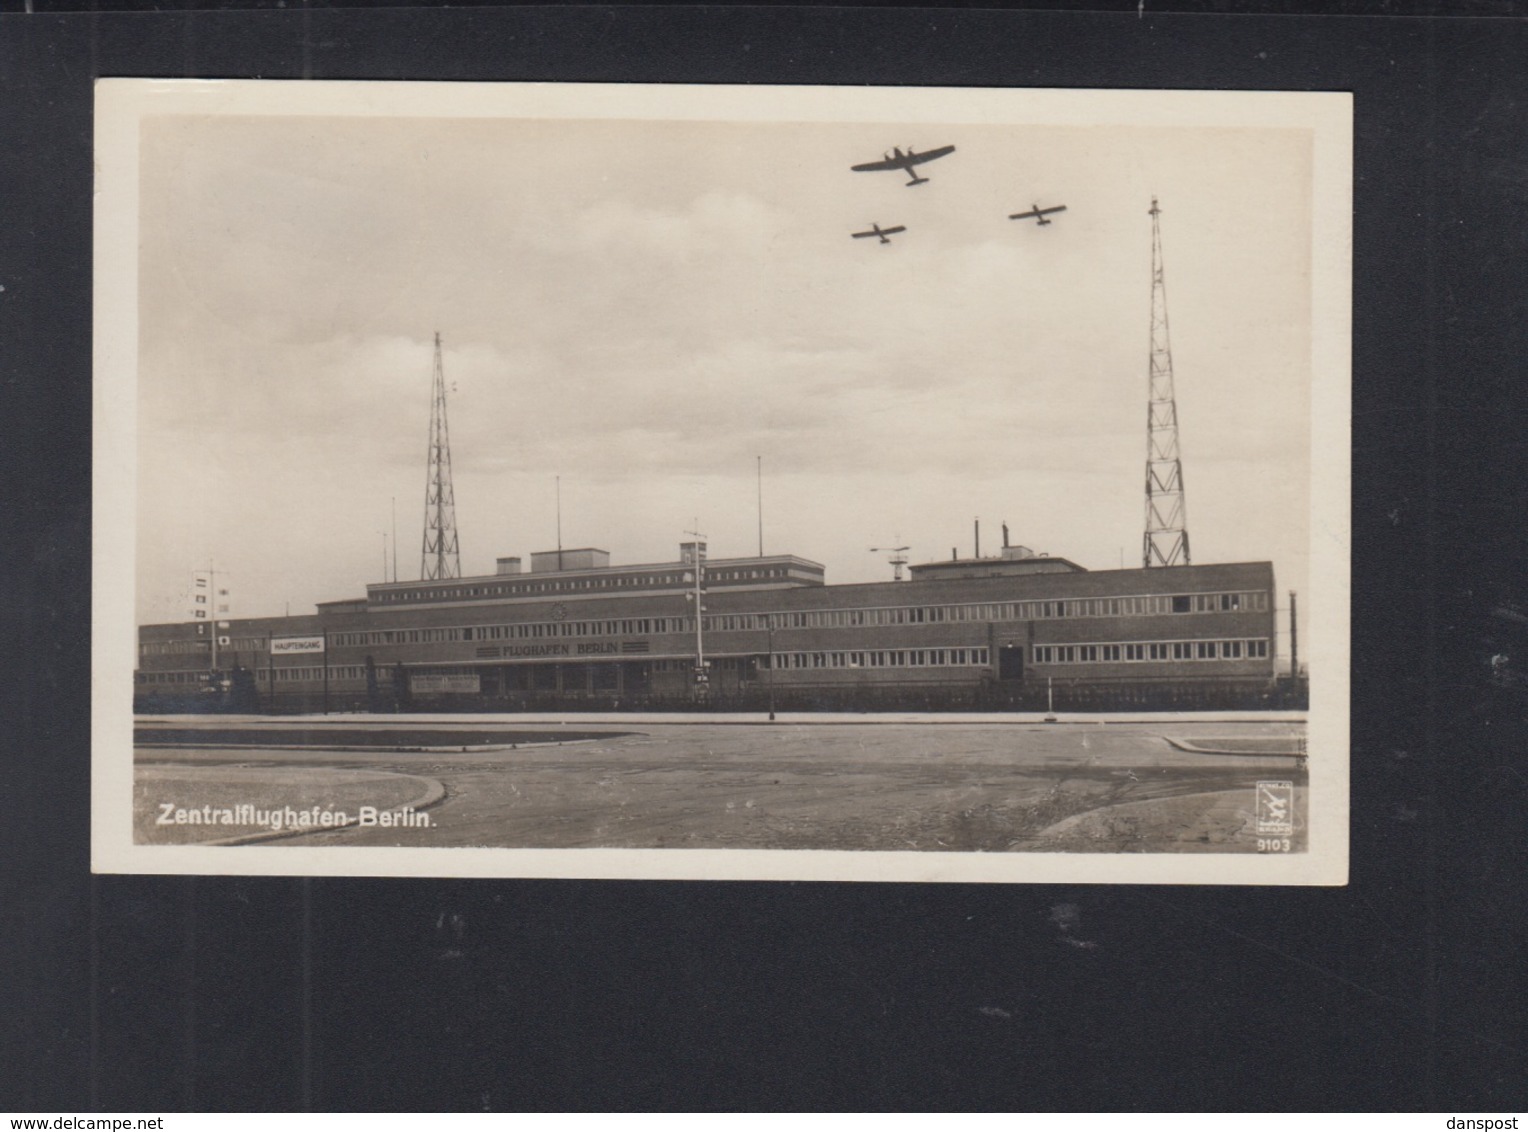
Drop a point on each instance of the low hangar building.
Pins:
(573, 628)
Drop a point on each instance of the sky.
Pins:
(647, 308)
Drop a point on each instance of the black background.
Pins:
(1402, 991)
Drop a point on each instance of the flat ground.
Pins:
(941, 784)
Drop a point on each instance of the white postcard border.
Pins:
(122, 104)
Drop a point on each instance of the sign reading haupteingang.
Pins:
(286, 646)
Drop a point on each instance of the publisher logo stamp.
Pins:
(1275, 807)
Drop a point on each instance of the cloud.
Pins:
(644, 309)
(733, 224)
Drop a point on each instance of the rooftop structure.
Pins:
(587, 573)
(1012, 562)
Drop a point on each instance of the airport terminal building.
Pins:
(575, 631)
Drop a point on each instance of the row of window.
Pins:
(1134, 606)
(173, 648)
(1151, 650)
(407, 636)
(170, 677)
(1138, 606)
(579, 585)
(744, 575)
(880, 658)
(1142, 605)
(297, 674)
(870, 658)
(723, 664)
(203, 647)
(305, 673)
(631, 626)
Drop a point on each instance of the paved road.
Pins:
(947, 786)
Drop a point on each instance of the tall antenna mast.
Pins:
(439, 558)
(1166, 539)
(760, 464)
(898, 557)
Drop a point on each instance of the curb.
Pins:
(1196, 749)
(636, 720)
(474, 749)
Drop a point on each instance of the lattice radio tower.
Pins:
(439, 558)
(1166, 540)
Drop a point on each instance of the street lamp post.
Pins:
(769, 622)
(697, 600)
(700, 643)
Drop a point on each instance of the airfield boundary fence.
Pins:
(1281, 696)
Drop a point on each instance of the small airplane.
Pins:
(1038, 213)
(896, 159)
(877, 230)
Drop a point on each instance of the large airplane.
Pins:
(877, 230)
(896, 159)
(1038, 213)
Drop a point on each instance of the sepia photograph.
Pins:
(721, 482)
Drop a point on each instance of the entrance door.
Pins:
(635, 677)
(1010, 662)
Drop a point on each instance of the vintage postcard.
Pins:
(551, 480)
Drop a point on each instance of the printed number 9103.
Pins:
(1273, 845)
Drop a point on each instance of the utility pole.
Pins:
(1294, 645)
(439, 557)
(1166, 539)
(212, 611)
